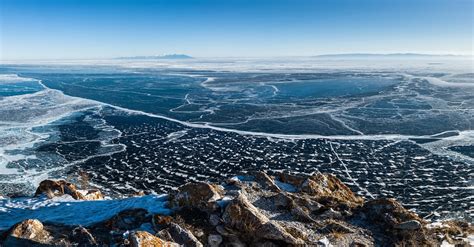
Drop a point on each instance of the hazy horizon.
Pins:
(45, 30)
(356, 56)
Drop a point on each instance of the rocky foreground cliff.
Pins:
(251, 210)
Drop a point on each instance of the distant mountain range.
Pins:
(380, 55)
(169, 56)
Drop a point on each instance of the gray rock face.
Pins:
(243, 216)
(409, 225)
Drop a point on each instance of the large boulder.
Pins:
(327, 185)
(27, 233)
(200, 195)
(145, 239)
(52, 188)
(242, 216)
(391, 214)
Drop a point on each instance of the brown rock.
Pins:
(139, 193)
(301, 214)
(145, 239)
(266, 182)
(241, 215)
(388, 212)
(327, 185)
(93, 195)
(28, 232)
(50, 188)
(58, 188)
(294, 180)
(71, 189)
(197, 195)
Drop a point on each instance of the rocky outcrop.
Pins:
(257, 209)
(28, 231)
(202, 195)
(241, 215)
(52, 188)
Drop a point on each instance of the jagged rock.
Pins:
(290, 201)
(145, 239)
(82, 237)
(50, 188)
(53, 188)
(214, 240)
(92, 195)
(409, 225)
(282, 200)
(331, 214)
(388, 212)
(182, 236)
(28, 232)
(128, 219)
(241, 215)
(294, 180)
(327, 185)
(197, 195)
(266, 181)
(301, 214)
(321, 212)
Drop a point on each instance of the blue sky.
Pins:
(49, 29)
